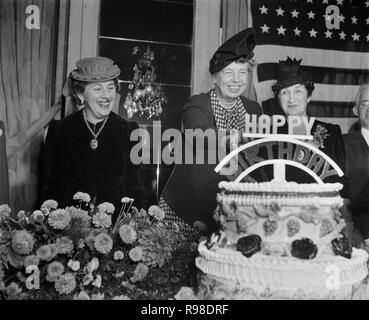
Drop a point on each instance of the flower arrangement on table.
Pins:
(79, 252)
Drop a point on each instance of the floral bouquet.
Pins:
(79, 253)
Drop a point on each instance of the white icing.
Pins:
(241, 199)
(243, 210)
(274, 186)
(280, 273)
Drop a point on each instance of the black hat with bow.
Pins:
(291, 73)
(240, 45)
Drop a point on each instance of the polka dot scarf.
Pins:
(228, 119)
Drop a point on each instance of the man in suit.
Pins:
(357, 162)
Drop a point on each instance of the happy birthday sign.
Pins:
(278, 150)
(265, 124)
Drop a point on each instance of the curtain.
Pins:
(28, 74)
(4, 179)
(234, 19)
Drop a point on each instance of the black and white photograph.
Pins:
(184, 154)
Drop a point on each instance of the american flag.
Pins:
(333, 43)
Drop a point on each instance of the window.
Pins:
(126, 29)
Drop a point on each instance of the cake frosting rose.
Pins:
(279, 240)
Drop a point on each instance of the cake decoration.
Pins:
(342, 247)
(249, 245)
(304, 249)
(293, 227)
(290, 233)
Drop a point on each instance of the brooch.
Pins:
(319, 135)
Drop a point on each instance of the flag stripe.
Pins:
(315, 108)
(322, 92)
(320, 74)
(313, 57)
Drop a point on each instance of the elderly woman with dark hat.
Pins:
(293, 91)
(190, 193)
(89, 151)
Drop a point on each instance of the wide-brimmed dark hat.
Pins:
(291, 73)
(240, 45)
(95, 69)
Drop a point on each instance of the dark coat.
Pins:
(192, 188)
(70, 165)
(4, 175)
(357, 162)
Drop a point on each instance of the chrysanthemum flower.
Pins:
(4, 212)
(79, 225)
(31, 260)
(103, 243)
(59, 219)
(74, 264)
(80, 214)
(185, 293)
(93, 265)
(127, 234)
(55, 269)
(157, 212)
(101, 220)
(106, 207)
(82, 196)
(22, 216)
(142, 213)
(65, 284)
(22, 242)
(87, 279)
(97, 281)
(140, 273)
(156, 247)
(134, 210)
(5, 208)
(49, 205)
(54, 250)
(13, 289)
(135, 254)
(65, 245)
(121, 297)
(44, 253)
(125, 200)
(90, 238)
(118, 255)
(37, 217)
(2, 274)
(97, 296)
(81, 244)
(50, 278)
(82, 295)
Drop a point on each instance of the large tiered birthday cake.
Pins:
(279, 240)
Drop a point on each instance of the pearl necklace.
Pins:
(94, 143)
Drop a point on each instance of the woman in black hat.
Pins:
(89, 151)
(293, 91)
(190, 193)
